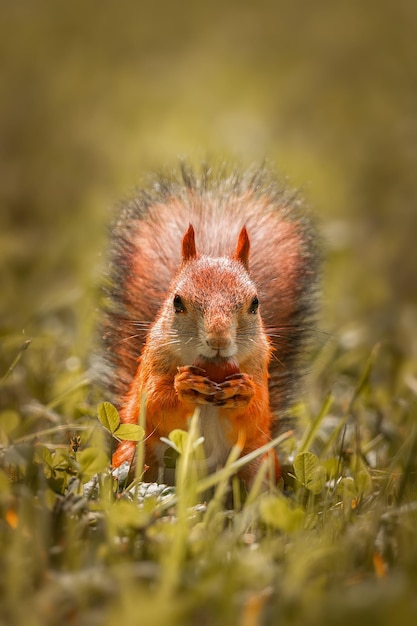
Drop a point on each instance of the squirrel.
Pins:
(212, 283)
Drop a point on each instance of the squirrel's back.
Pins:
(146, 255)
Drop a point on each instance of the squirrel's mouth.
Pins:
(218, 354)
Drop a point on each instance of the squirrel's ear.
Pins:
(188, 245)
(243, 247)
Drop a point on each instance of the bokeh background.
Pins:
(94, 95)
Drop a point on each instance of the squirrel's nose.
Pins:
(218, 342)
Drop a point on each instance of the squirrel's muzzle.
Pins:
(219, 342)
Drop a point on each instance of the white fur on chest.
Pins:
(217, 445)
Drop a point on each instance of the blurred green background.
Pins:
(94, 95)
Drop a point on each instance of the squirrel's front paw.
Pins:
(192, 385)
(237, 391)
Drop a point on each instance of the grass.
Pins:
(339, 545)
(93, 101)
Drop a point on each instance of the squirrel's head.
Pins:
(214, 304)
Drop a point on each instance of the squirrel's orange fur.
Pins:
(220, 316)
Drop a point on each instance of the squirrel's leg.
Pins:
(125, 451)
(273, 472)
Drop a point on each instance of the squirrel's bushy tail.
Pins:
(145, 255)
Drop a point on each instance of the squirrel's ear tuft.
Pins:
(189, 251)
(243, 247)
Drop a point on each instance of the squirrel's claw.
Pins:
(192, 369)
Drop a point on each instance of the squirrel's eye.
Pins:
(178, 304)
(254, 305)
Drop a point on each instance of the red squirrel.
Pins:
(212, 282)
